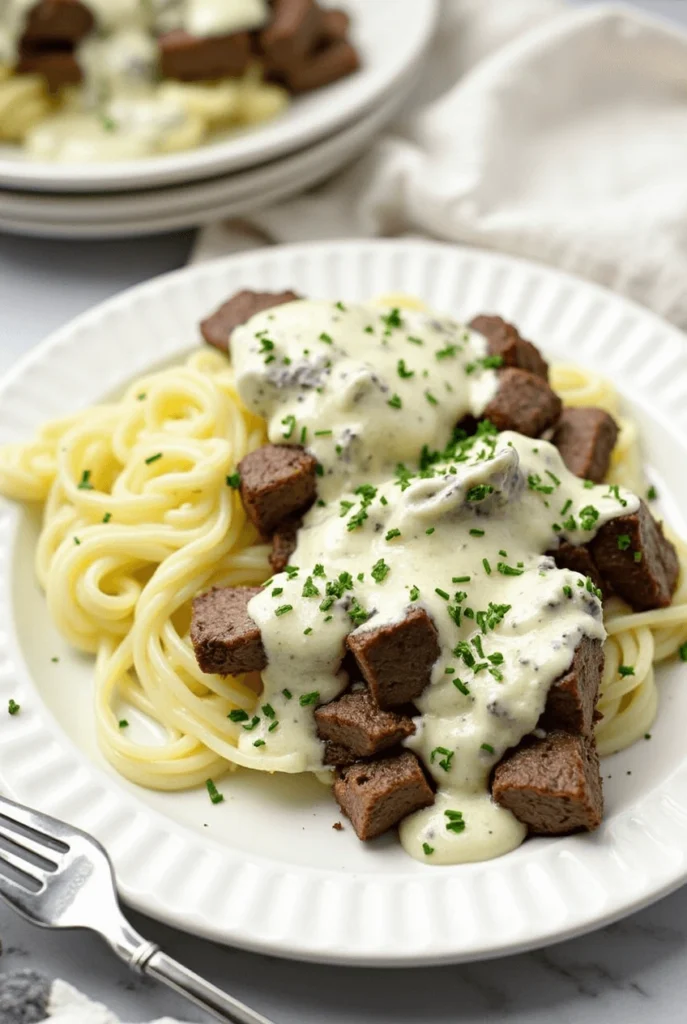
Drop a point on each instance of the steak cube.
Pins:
(334, 61)
(552, 785)
(334, 25)
(277, 482)
(58, 21)
(585, 437)
(217, 329)
(637, 560)
(523, 402)
(224, 637)
(577, 558)
(191, 58)
(355, 721)
(376, 795)
(572, 698)
(284, 543)
(337, 756)
(59, 67)
(292, 34)
(396, 661)
(503, 339)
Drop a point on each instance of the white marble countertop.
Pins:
(619, 975)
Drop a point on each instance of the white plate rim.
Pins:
(327, 110)
(421, 915)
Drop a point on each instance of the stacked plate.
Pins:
(235, 175)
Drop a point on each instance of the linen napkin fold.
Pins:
(540, 129)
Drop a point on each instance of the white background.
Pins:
(620, 975)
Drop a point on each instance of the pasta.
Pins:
(24, 104)
(172, 117)
(139, 518)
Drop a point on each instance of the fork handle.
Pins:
(198, 991)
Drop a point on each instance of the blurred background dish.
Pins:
(388, 40)
(116, 215)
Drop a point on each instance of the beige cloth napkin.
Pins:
(547, 131)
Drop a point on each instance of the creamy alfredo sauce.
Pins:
(121, 111)
(408, 518)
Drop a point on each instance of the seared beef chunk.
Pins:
(504, 340)
(376, 795)
(355, 722)
(337, 756)
(292, 34)
(193, 59)
(637, 560)
(334, 61)
(396, 661)
(58, 66)
(578, 559)
(284, 542)
(585, 437)
(334, 26)
(217, 329)
(523, 402)
(277, 482)
(224, 637)
(552, 785)
(572, 697)
(58, 21)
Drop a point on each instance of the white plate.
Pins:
(265, 870)
(128, 214)
(390, 34)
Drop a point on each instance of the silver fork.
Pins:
(59, 877)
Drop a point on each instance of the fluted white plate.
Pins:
(265, 870)
(391, 37)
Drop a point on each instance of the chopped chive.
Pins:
(460, 685)
(277, 591)
(626, 670)
(442, 593)
(283, 609)
(415, 593)
(306, 699)
(652, 494)
(275, 725)
(290, 423)
(488, 747)
(568, 591)
(153, 458)
(214, 794)
(259, 743)
(234, 481)
(85, 484)
(487, 567)
(476, 533)
(287, 694)
(268, 711)
(323, 433)
(107, 517)
(430, 531)
(427, 849)
(238, 715)
(395, 402)
(460, 579)
(392, 533)
(12, 707)
(623, 541)
(403, 371)
(509, 570)
(638, 556)
(326, 338)
(380, 570)
(251, 725)
(123, 724)
(431, 399)
(683, 652)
